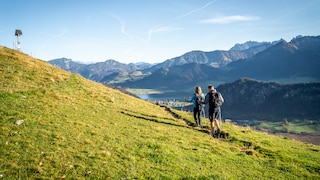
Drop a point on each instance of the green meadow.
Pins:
(78, 129)
(294, 126)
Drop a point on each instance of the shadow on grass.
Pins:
(154, 119)
(150, 118)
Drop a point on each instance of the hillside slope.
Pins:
(78, 129)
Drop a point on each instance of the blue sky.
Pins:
(151, 31)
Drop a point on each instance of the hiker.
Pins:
(197, 99)
(214, 99)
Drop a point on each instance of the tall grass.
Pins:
(78, 129)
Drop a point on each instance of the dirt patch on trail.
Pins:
(313, 138)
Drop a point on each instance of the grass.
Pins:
(78, 129)
(294, 126)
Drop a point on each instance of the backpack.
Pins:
(199, 101)
(216, 99)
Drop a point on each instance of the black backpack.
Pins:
(199, 101)
(216, 99)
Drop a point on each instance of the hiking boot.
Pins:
(219, 131)
(214, 135)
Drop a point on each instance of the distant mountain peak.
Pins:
(252, 44)
(246, 45)
(307, 42)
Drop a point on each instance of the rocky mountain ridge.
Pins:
(280, 61)
(217, 58)
(297, 61)
(97, 71)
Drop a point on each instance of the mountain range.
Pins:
(286, 62)
(297, 61)
(104, 71)
(97, 71)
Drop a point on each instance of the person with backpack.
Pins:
(215, 100)
(197, 99)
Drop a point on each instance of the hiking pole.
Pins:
(203, 115)
(220, 122)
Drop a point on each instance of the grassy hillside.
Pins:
(78, 129)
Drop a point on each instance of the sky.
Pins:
(131, 31)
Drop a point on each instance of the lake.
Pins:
(176, 96)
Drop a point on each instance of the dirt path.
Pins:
(188, 123)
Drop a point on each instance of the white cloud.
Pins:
(123, 25)
(166, 29)
(124, 32)
(230, 19)
(194, 10)
(160, 28)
